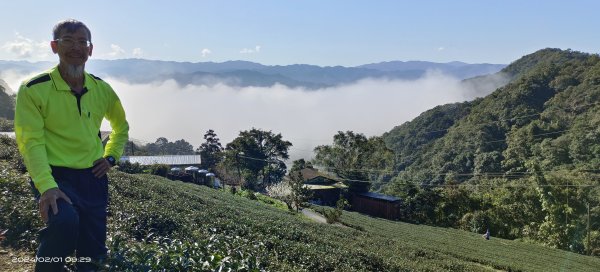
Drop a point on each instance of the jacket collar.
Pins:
(61, 84)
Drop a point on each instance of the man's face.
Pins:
(72, 48)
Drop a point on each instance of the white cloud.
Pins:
(246, 51)
(14, 78)
(116, 51)
(25, 48)
(137, 52)
(205, 52)
(441, 48)
(307, 118)
(250, 51)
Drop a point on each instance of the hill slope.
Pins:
(7, 104)
(523, 161)
(159, 224)
(551, 91)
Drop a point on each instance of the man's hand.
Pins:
(48, 199)
(101, 167)
(2, 233)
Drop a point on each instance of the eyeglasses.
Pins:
(70, 42)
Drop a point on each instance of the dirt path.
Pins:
(314, 216)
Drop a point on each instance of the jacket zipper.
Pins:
(78, 96)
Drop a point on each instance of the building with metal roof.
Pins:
(171, 160)
(379, 196)
(375, 204)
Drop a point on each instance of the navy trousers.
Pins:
(80, 227)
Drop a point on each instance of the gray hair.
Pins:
(70, 26)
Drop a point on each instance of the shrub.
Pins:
(476, 222)
(130, 168)
(19, 215)
(159, 169)
(6, 125)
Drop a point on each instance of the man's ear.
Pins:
(90, 50)
(54, 46)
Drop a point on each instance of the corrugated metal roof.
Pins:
(168, 160)
(310, 173)
(318, 187)
(379, 196)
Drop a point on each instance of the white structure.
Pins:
(9, 134)
(172, 160)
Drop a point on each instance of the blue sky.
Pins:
(324, 33)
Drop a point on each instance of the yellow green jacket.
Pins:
(55, 127)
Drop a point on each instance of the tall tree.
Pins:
(260, 154)
(159, 147)
(352, 155)
(162, 146)
(299, 193)
(300, 164)
(180, 147)
(347, 153)
(211, 150)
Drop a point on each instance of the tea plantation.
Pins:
(160, 225)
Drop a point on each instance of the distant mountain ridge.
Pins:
(456, 68)
(245, 73)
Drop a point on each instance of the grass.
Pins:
(278, 240)
(9, 260)
(496, 253)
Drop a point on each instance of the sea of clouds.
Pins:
(307, 118)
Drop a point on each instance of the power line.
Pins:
(463, 185)
(485, 174)
(568, 185)
(473, 174)
(500, 140)
(522, 116)
(504, 185)
(257, 159)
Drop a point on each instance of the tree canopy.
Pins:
(353, 153)
(260, 155)
(211, 150)
(162, 146)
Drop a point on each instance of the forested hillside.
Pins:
(7, 109)
(523, 161)
(7, 104)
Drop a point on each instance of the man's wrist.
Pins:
(111, 160)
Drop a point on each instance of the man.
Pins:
(57, 122)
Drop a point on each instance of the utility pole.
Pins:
(566, 211)
(237, 160)
(589, 249)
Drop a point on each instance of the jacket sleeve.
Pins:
(29, 131)
(120, 128)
